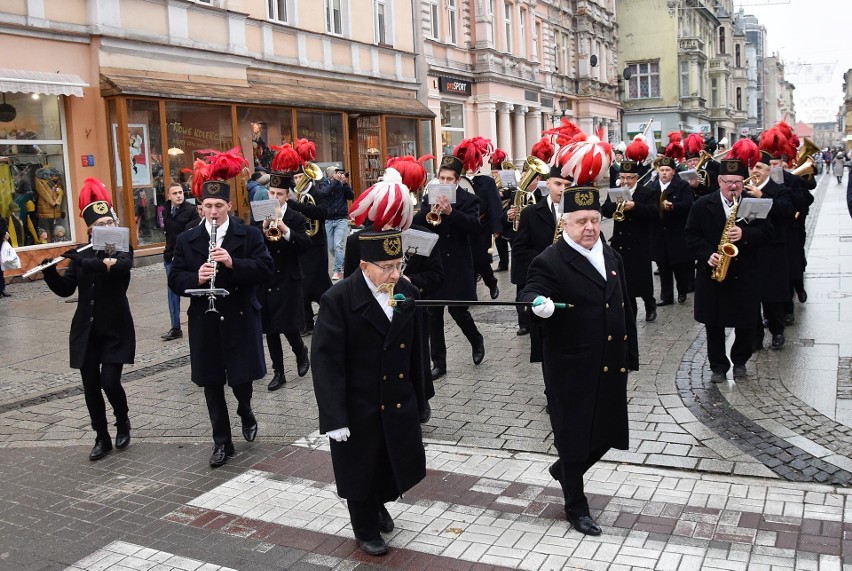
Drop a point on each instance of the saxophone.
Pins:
(726, 249)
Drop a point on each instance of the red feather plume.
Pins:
(497, 157)
(637, 150)
(286, 159)
(543, 150)
(674, 149)
(469, 151)
(566, 133)
(93, 190)
(745, 150)
(694, 144)
(224, 165)
(411, 170)
(200, 171)
(774, 142)
(306, 149)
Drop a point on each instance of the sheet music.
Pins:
(263, 208)
(508, 178)
(754, 208)
(113, 235)
(616, 193)
(418, 242)
(688, 174)
(436, 190)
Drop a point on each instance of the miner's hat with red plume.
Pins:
(95, 201)
(497, 158)
(220, 167)
(693, 145)
(742, 156)
(387, 204)
(411, 170)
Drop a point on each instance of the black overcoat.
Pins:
(587, 349)
(800, 192)
(667, 240)
(282, 309)
(535, 233)
(103, 312)
(314, 260)
(632, 239)
(365, 371)
(175, 225)
(734, 302)
(455, 238)
(490, 211)
(774, 275)
(224, 346)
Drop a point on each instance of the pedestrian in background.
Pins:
(838, 164)
(337, 194)
(178, 218)
(4, 236)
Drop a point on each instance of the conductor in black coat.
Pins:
(734, 301)
(674, 198)
(176, 220)
(459, 223)
(281, 298)
(102, 337)
(366, 373)
(587, 347)
(631, 237)
(225, 346)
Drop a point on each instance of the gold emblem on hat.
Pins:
(732, 166)
(583, 198)
(100, 207)
(392, 245)
(447, 161)
(213, 188)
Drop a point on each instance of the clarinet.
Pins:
(211, 297)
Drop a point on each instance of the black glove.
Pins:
(72, 255)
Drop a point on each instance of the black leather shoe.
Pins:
(221, 453)
(478, 352)
(664, 302)
(522, 331)
(778, 341)
(278, 381)
(385, 520)
(740, 371)
(249, 423)
(651, 316)
(122, 435)
(426, 414)
(502, 269)
(801, 295)
(373, 547)
(5, 293)
(681, 298)
(494, 291)
(584, 524)
(303, 362)
(172, 334)
(306, 331)
(717, 378)
(789, 319)
(102, 447)
(552, 471)
(438, 372)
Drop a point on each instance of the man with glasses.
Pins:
(367, 372)
(735, 301)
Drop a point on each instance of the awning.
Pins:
(257, 92)
(41, 82)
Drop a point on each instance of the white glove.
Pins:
(543, 306)
(339, 435)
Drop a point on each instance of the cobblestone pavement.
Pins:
(747, 475)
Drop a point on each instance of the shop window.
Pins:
(369, 149)
(452, 126)
(261, 128)
(326, 131)
(33, 184)
(427, 142)
(401, 136)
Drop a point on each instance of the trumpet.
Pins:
(51, 263)
(618, 215)
(272, 233)
(434, 216)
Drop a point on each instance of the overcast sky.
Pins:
(813, 39)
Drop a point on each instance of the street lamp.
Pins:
(563, 103)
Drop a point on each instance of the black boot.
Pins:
(122, 436)
(477, 342)
(278, 381)
(102, 447)
(303, 361)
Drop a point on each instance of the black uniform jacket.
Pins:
(177, 224)
(314, 260)
(735, 302)
(224, 346)
(587, 349)
(535, 233)
(774, 274)
(632, 239)
(281, 297)
(103, 313)
(456, 234)
(367, 377)
(800, 191)
(667, 243)
(490, 212)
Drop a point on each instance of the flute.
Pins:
(52, 262)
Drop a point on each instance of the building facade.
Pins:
(755, 73)
(728, 83)
(137, 87)
(827, 135)
(779, 93)
(508, 69)
(845, 114)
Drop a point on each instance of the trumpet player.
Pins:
(226, 346)
(281, 297)
(631, 237)
(102, 337)
(734, 301)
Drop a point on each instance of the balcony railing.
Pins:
(691, 45)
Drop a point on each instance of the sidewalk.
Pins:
(749, 475)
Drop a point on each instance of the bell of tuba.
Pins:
(805, 163)
(312, 172)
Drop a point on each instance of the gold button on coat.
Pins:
(606, 369)
(402, 345)
(398, 405)
(609, 337)
(401, 375)
(623, 370)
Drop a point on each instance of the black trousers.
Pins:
(571, 480)
(502, 245)
(104, 377)
(364, 513)
(740, 352)
(774, 312)
(649, 301)
(680, 272)
(437, 342)
(217, 408)
(309, 315)
(276, 351)
(523, 311)
(487, 273)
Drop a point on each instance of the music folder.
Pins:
(616, 193)
(688, 174)
(116, 238)
(754, 209)
(262, 209)
(434, 190)
(418, 242)
(508, 178)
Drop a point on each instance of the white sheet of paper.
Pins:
(263, 208)
(418, 242)
(688, 174)
(508, 179)
(616, 193)
(436, 190)
(103, 235)
(542, 186)
(754, 208)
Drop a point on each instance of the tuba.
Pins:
(312, 172)
(805, 163)
(726, 250)
(523, 197)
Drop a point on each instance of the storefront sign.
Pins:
(454, 86)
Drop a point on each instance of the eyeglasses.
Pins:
(107, 223)
(730, 182)
(389, 268)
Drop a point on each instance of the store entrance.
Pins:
(365, 148)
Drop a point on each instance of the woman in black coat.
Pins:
(102, 338)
